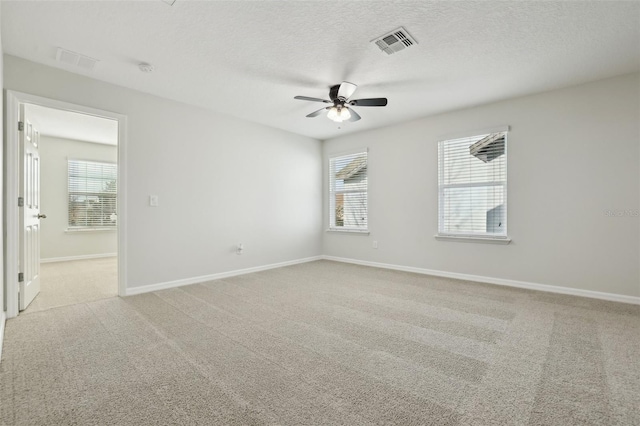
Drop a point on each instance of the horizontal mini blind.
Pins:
(473, 186)
(348, 192)
(93, 189)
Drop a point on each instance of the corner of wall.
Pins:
(3, 287)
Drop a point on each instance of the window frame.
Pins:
(332, 193)
(468, 236)
(90, 228)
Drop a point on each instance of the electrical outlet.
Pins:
(375, 244)
(153, 200)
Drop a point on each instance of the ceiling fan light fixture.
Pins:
(338, 114)
(334, 115)
(340, 109)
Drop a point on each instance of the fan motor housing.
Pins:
(333, 92)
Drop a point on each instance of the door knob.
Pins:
(41, 216)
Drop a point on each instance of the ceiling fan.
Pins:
(342, 110)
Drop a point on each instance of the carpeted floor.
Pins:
(326, 343)
(75, 281)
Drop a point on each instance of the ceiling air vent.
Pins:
(395, 41)
(67, 57)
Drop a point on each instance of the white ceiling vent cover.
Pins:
(395, 41)
(74, 59)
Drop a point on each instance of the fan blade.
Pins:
(346, 90)
(317, 113)
(369, 102)
(306, 98)
(354, 115)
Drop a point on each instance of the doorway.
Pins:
(77, 157)
(76, 161)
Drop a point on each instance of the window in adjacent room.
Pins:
(92, 188)
(348, 192)
(472, 184)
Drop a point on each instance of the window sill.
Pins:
(349, 231)
(81, 230)
(467, 239)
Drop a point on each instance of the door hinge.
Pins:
(20, 126)
(20, 202)
(21, 277)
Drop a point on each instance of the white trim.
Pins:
(204, 278)
(634, 300)
(11, 218)
(13, 101)
(470, 239)
(122, 204)
(350, 231)
(82, 257)
(82, 230)
(3, 320)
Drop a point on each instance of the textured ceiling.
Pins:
(250, 58)
(72, 125)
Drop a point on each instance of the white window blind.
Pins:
(348, 192)
(93, 189)
(472, 180)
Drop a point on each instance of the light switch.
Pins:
(153, 200)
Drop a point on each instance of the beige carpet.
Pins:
(76, 281)
(326, 343)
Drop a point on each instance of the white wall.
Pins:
(573, 154)
(56, 241)
(220, 181)
(2, 277)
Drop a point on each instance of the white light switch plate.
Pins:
(153, 200)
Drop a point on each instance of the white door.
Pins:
(30, 212)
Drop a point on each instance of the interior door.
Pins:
(30, 212)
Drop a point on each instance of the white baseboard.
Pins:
(634, 300)
(82, 257)
(3, 319)
(195, 280)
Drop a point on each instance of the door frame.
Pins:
(12, 181)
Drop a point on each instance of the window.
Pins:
(92, 194)
(472, 186)
(348, 192)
